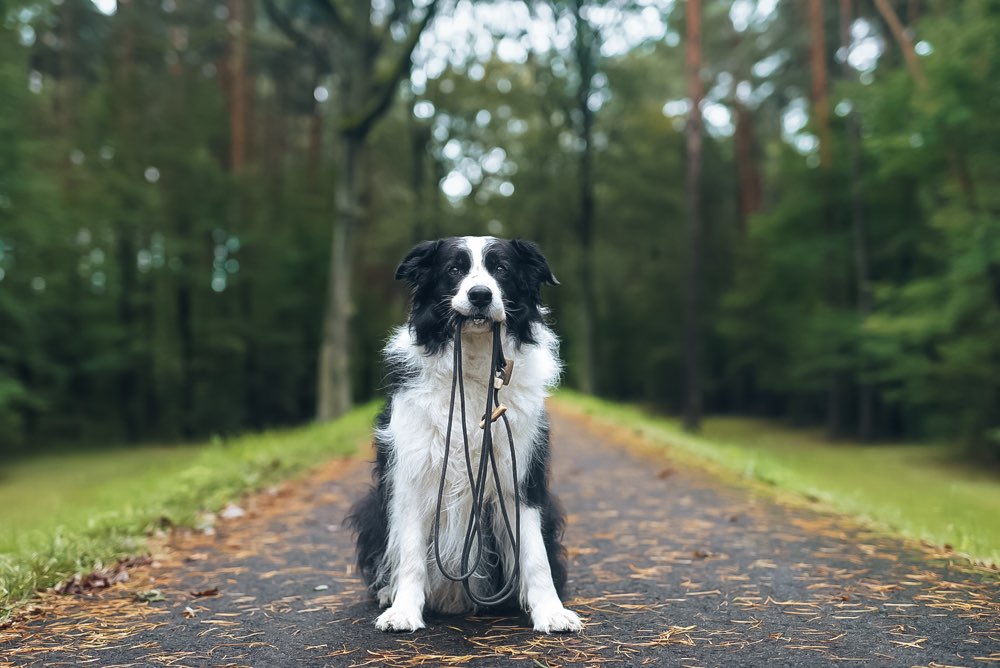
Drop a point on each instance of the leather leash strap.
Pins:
(500, 370)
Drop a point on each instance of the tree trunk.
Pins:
(334, 382)
(858, 230)
(751, 201)
(334, 395)
(241, 220)
(821, 116)
(585, 225)
(692, 302)
(127, 381)
(820, 87)
(275, 151)
(905, 43)
(956, 158)
(125, 228)
(746, 165)
(185, 324)
(362, 99)
(65, 97)
(237, 66)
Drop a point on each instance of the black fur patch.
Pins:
(520, 269)
(432, 285)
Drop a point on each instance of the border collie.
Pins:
(471, 282)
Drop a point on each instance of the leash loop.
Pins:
(487, 468)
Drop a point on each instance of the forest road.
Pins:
(668, 567)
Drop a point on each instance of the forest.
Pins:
(787, 209)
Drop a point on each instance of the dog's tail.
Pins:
(369, 521)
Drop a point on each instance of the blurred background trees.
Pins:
(171, 175)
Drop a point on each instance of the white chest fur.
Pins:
(420, 407)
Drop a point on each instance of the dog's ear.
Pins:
(417, 262)
(535, 263)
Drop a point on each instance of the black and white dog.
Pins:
(476, 281)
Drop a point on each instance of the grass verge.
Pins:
(72, 512)
(920, 491)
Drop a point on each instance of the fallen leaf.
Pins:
(321, 587)
(196, 556)
(151, 596)
(214, 591)
(100, 578)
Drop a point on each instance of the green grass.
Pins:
(67, 513)
(920, 491)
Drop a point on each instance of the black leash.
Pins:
(500, 370)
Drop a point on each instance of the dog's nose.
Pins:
(480, 296)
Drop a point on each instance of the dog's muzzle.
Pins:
(479, 307)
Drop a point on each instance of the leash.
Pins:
(500, 371)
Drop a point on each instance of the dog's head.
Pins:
(476, 281)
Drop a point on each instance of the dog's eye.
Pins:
(454, 270)
(501, 269)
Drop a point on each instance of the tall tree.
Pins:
(356, 44)
(126, 102)
(692, 301)
(585, 53)
(819, 96)
(820, 86)
(237, 89)
(744, 150)
(241, 216)
(859, 230)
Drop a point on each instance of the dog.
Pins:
(468, 282)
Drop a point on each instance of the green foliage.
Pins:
(932, 338)
(786, 314)
(153, 290)
(929, 193)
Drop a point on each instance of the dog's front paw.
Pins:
(399, 619)
(556, 619)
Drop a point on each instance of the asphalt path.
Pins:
(668, 567)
